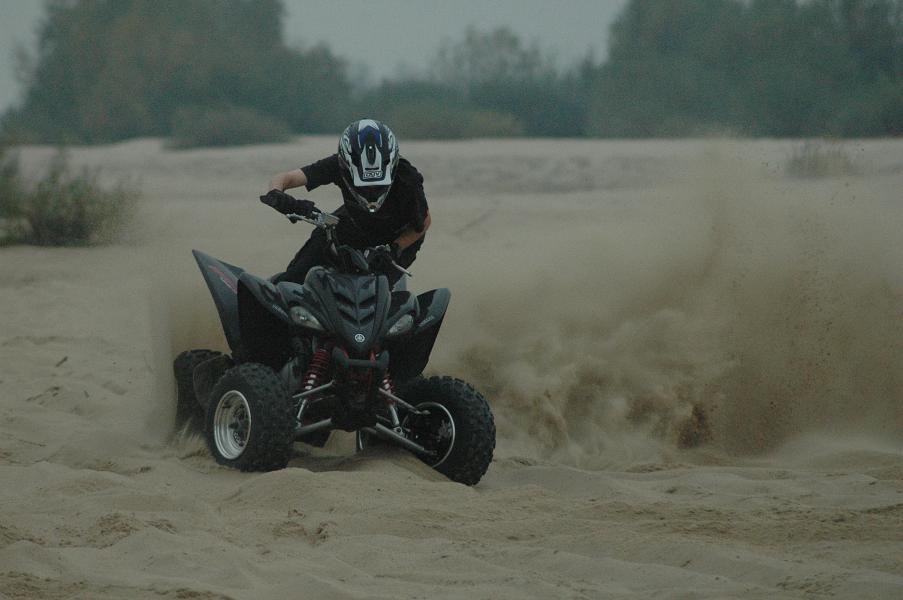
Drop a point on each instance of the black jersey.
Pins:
(405, 206)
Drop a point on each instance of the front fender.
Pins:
(433, 306)
(222, 281)
(411, 353)
(264, 321)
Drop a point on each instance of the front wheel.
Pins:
(250, 421)
(458, 428)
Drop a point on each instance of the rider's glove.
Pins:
(286, 204)
(381, 256)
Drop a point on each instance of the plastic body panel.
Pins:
(411, 353)
(433, 306)
(354, 307)
(264, 322)
(251, 310)
(222, 279)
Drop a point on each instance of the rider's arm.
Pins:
(310, 176)
(411, 235)
(288, 180)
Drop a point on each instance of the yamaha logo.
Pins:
(359, 338)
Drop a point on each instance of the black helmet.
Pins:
(368, 155)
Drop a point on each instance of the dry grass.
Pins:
(62, 208)
(818, 158)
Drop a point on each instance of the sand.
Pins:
(695, 362)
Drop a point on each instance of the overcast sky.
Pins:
(381, 36)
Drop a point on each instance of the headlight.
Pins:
(302, 316)
(401, 325)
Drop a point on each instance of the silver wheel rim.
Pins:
(232, 424)
(451, 429)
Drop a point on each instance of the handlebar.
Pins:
(319, 219)
(402, 270)
(328, 222)
(397, 266)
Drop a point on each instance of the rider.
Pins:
(384, 203)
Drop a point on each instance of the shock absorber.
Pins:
(319, 364)
(389, 386)
(387, 383)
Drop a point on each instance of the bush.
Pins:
(195, 127)
(10, 194)
(62, 208)
(490, 123)
(820, 159)
(874, 111)
(428, 119)
(9, 182)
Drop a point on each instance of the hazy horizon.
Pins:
(408, 31)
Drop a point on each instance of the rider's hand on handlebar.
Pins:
(382, 255)
(384, 258)
(286, 204)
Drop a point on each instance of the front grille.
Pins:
(356, 299)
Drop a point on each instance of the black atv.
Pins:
(343, 351)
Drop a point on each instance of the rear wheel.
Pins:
(188, 409)
(458, 428)
(250, 420)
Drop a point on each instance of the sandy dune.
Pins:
(696, 364)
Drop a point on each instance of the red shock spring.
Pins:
(387, 383)
(319, 364)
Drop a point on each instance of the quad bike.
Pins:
(342, 351)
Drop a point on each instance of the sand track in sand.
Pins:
(680, 272)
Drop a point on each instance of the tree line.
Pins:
(113, 69)
(107, 70)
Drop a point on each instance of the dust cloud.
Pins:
(734, 310)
